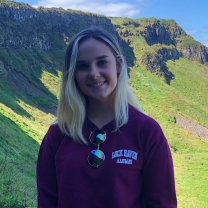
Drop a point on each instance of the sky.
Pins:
(191, 15)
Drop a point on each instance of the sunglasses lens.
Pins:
(96, 158)
(97, 137)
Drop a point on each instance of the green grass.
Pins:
(189, 42)
(191, 82)
(23, 125)
(51, 82)
(186, 95)
(20, 135)
(189, 152)
(22, 129)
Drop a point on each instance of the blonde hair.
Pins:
(72, 103)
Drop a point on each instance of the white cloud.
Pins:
(95, 6)
(204, 42)
(192, 32)
(205, 27)
(196, 34)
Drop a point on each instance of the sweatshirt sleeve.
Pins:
(158, 173)
(47, 190)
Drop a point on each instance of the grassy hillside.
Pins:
(189, 152)
(30, 80)
(154, 41)
(22, 131)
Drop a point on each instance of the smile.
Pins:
(96, 84)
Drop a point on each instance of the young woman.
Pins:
(102, 151)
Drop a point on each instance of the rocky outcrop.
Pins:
(22, 26)
(160, 34)
(156, 65)
(25, 42)
(35, 39)
(159, 40)
(17, 11)
(197, 53)
(168, 53)
(49, 29)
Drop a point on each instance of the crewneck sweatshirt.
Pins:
(137, 171)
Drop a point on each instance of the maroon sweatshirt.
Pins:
(137, 171)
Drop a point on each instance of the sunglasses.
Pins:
(96, 157)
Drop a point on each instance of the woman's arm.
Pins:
(46, 176)
(158, 176)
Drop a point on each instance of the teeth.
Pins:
(95, 85)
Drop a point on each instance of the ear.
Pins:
(119, 61)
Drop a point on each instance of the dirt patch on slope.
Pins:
(52, 110)
(192, 126)
(20, 82)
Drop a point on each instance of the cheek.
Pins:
(78, 78)
(78, 83)
(113, 76)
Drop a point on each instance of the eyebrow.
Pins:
(99, 57)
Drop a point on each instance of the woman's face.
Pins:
(96, 69)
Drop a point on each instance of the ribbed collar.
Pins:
(89, 126)
(110, 125)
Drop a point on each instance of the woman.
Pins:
(102, 151)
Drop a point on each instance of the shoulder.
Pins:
(142, 119)
(54, 129)
(54, 136)
(146, 125)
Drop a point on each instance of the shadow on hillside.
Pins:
(20, 146)
(28, 88)
(18, 159)
(24, 67)
(167, 74)
(10, 97)
(36, 95)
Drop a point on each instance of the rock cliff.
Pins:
(35, 38)
(157, 40)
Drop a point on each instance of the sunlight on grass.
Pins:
(189, 153)
(51, 82)
(35, 126)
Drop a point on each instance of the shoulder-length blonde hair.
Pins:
(72, 103)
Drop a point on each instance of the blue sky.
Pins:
(191, 15)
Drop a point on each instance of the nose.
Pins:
(94, 72)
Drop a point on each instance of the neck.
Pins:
(100, 113)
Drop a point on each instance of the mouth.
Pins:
(97, 84)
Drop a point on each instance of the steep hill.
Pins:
(168, 72)
(154, 41)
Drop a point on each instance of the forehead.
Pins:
(93, 48)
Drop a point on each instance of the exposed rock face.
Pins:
(35, 39)
(155, 64)
(47, 31)
(171, 36)
(20, 13)
(13, 36)
(31, 28)
(164, 39)
(168, 53)
(36, 25)
(199, 54)
(152, 63)
(157, 33)
(26, 42)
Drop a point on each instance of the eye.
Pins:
(102, 62)
(82, 66)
